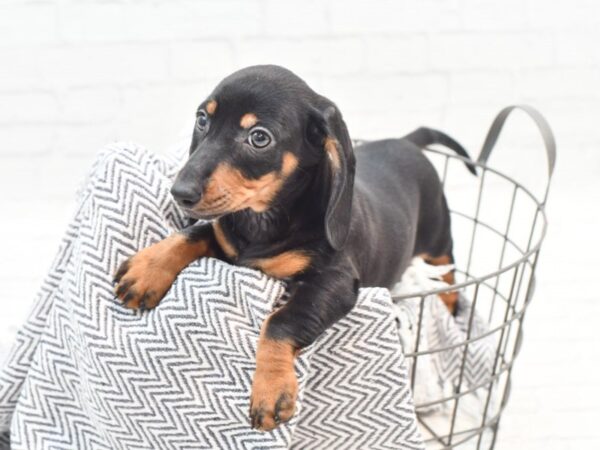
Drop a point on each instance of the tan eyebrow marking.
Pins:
(211, 107)
(248, 120)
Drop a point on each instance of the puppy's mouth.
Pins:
(203, 215)
(213, 209)
(225, 203)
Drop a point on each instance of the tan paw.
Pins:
(273, 399)
(143, 280)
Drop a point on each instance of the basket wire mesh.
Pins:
(497, 244)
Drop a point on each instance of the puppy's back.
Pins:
(398, 196)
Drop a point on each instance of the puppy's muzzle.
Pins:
(186, 194)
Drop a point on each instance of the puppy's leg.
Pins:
(450, 298)
(316, 302)
(434, 242)
(144, 279)
(274, 387)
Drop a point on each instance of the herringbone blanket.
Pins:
(87, 373)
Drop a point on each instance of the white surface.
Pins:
(77, 74)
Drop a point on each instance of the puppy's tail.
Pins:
(423, 136)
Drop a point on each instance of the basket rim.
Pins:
(533, 247)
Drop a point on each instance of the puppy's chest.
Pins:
(283, 265)
(278, 264)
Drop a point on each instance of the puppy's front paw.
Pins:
(273, 399)
(144, 279)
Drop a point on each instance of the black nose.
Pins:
(186, 194)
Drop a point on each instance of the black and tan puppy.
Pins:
(272, 163)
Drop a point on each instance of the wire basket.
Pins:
(497, 242)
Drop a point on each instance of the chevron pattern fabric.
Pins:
(438, 374)
(87, 373)
(440, 330)
(358, 384)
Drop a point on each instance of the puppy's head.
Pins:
(262, 134)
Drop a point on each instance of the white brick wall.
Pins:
(67, 64)
(76, 74)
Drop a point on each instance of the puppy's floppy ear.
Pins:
(328, 132)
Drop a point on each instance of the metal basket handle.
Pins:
(543, 126)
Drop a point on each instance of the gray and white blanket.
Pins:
(87, 373)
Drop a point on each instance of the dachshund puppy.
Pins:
(273, 169)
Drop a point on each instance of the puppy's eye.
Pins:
(202, 120)
(259, 138)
